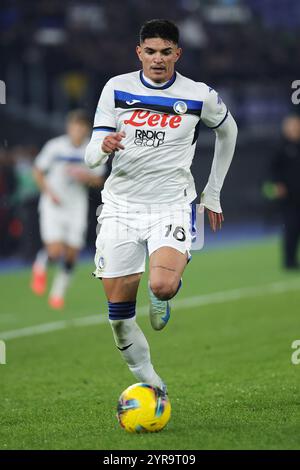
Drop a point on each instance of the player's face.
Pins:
(158, 57)
(78, 132)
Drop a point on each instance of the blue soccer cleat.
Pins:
(163, 390)
(159, 311)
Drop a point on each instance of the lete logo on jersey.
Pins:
(141, 118)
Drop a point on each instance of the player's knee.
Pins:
(164, 289)
(55, 251)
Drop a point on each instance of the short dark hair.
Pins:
(78, 115)
(163, 29)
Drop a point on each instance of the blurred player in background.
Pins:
(285, 175)
(151, 118)
(63, 180)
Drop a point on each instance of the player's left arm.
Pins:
(217, 117)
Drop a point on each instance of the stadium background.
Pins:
(56, 56)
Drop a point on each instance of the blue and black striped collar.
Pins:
(163, 87)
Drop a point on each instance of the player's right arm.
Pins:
(105, 140)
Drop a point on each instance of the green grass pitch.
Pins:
(226, 360)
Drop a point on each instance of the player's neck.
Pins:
(77, 142)
(152, 83)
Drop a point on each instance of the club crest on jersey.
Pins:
(180, 107)
(101, 262)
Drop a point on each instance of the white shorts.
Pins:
(60, 224)
(125, 238)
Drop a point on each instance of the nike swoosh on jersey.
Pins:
(130, 103)
(125, 347)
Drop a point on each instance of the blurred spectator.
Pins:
(8, 225)
(285, 175)
(74, 85)
(26, 199)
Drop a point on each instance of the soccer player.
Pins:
(150, 120)
(63, 179)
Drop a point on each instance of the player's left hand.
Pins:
(215, 219)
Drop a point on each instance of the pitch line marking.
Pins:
(206, 299)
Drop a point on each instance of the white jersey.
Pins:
(57, 159)
(161, 125)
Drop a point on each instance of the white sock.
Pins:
(60, 284)
(137, 355)
(41, 260)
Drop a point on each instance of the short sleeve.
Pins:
(214, 111)
(46, 156)
(105, 117)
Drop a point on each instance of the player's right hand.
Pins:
(112, 142)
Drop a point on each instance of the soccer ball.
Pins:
(143, 408)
